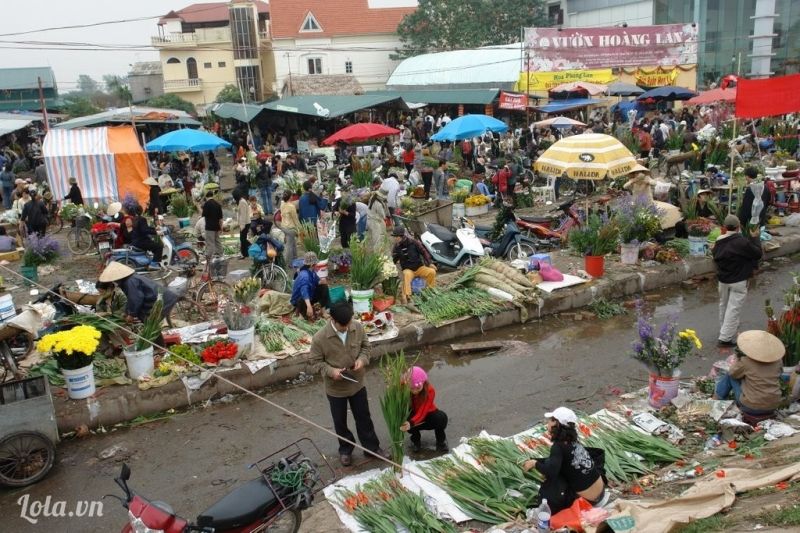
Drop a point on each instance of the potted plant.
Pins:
(74, 350)
(638, 221)
(662, 351)
(477, 204)
(674, 143)
(239, 314)
(38, 251)
(594, 239)
(181, 209)
(365, 272)
(139, 355)
(698, 230)
(341, 261)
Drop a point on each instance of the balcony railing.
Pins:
(173, 38)
(186, 85)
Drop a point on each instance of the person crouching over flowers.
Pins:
(424, 414)
(571, 471)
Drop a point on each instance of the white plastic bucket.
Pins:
(80, 382)
(244, 338)
(629, 253)
(362, 300)
(7, 309)
(140, 363)
(698, 246)
(458, 211)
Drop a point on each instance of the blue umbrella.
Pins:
(469, 126)
(667, 93)
(186, 139)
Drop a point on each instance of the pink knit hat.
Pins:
(417, 377)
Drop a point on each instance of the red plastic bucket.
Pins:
(662, 390)
(594, 265)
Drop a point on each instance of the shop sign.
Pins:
(544, 81)
(513, 101)
(658, 78)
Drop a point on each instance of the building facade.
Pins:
(19, 89)
(145, 81)
(765, 33)
(204, 47)
(338, 37)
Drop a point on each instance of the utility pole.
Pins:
(244, 112)
(44, 106)
(732, 147)
(527, 88)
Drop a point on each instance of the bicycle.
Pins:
(211, 293)
(54, 221)
(79, 238)
(272, 276)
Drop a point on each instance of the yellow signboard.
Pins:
(657, 78)
(544, 81)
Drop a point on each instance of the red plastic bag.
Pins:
(570, 517)
(550, 273)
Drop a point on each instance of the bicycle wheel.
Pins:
(186, 312)
(54, 225)
(273, 277)
(79, 241)
(213, 295)
(520, 250)
(25, 458)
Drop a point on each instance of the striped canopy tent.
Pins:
(107, 162)
(588, 156)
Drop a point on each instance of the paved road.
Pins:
(193, 458)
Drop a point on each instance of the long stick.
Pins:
(730, 153)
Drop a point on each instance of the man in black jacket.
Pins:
(414, 260)
(212, 213)
(736, 257)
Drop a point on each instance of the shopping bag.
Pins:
(571, 516)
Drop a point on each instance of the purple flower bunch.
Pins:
(661, 349)
(129, 202)
(637, 218)
(40, 250)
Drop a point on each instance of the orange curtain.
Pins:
(131, 162)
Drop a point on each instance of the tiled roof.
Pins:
(324, 84)
(336, 17)
(210, 12)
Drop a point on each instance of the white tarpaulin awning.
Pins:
(9, 125)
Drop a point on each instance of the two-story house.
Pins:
(334, 40)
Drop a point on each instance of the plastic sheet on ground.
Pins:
(349, 483)
(568, 281)
(195, 333)
(446, 508)
(390, 332)
(255, 366)
(193, 383)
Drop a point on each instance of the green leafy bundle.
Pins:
(396, 401)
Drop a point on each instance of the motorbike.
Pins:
(143, 261)
(271, 502)
(511, 245)
(452, 249)
(545, 235)
(317, 160)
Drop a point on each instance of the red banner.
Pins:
(768, 97)
(552, 49)
(514, 101)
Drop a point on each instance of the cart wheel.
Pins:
(25, 458)
(286, 522)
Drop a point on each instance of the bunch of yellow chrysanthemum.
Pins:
(691, 335)
(81, 339)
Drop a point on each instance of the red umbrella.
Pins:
(361, 132)
(714, 96)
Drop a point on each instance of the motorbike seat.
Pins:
(240, 507)
(441, 232)
(536, 220)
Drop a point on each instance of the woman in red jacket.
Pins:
(424, 414)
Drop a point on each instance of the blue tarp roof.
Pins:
(556, 106)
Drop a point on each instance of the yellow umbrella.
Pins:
(588, 156)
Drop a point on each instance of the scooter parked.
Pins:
(143, 261)
(511, 245)
(271, 502)
(452, 249)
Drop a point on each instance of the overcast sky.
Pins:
(24, 15)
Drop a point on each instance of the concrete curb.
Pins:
(112, 405)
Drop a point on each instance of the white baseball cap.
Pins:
(564, 415)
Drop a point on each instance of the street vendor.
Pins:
(754, 379)
(640, 182)
(141, 292)
(424, 413)
(571, 471)
(308, 289)
(112, 300)
(154, 200)
(74, 195)
(414, 260)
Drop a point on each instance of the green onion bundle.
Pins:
(439, 306)
(396, 401)
(405, 507)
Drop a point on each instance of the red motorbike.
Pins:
(537, 228)
(272, 502)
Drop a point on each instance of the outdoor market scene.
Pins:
(534, 279)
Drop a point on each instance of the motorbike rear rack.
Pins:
(308, 451)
